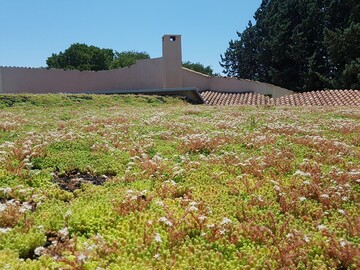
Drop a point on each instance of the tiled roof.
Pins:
(218, 98)
(315, 98)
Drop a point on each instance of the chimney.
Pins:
(172, 61)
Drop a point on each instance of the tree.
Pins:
(240, 58)
(299, 45)
(82, 57)
(199, 68)
(127, 59)
(344, 55)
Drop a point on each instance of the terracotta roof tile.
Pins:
(314, 98)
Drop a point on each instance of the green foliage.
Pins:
(84, 57)
(81, 57)
(9, 260)
(299, 45)
(207, 70)
(23, 243)
(127, 59)
(76, 100)
(96, 214)
(344, 52)
(7, 179)
(185, 187)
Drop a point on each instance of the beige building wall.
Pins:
(157, 73)
(195, 79)
(148, 74)
(145, 74)
(172, 61)
(223, 84)
(19, 80)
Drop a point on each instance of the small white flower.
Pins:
(39, 250)
(41, 228)
(277, 188)
(178, 172)
(302, 199)
(2, 207)
(274, 182)
(193, 208)
(28, 165)
(160, 203)
(64, 232)
(12, 202)
(156, 256)
(82, 257)
(193, 203)
(202, 218)
(321, 227)
(306, 239)
(25, 207)
(344, 198)
(157, 238)
(226, 221)
(99, 236)
(172, 182)
(166, 221)
(343, 243)
(301, 173)
(341, 211)
(209, 226)
(5, 230)
(222, 232)
(68, 214)
(325, 196)
(289, 235)
(6, 190)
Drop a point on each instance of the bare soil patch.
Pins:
(73, 180)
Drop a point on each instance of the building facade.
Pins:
(163, 74)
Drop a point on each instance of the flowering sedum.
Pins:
(138, 182)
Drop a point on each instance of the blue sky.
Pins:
(33, 30)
